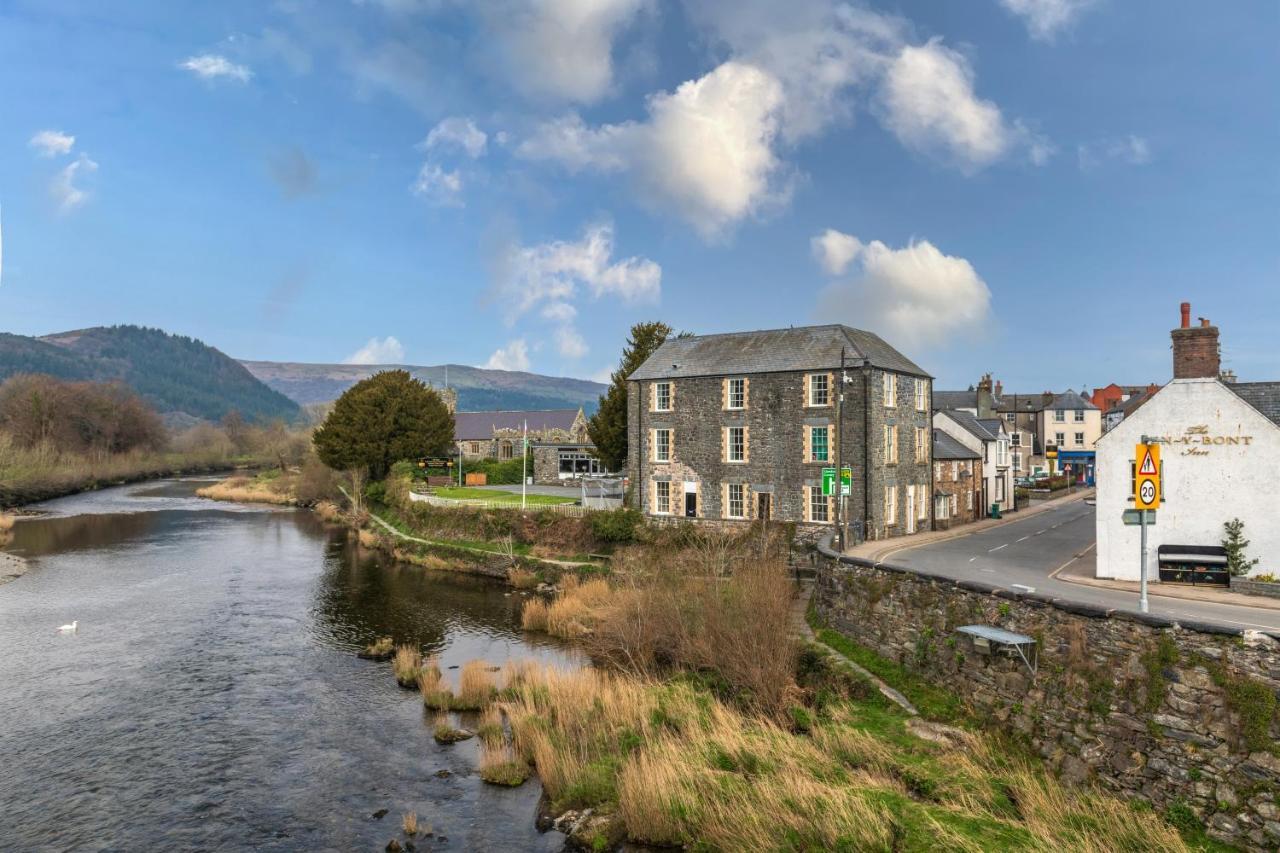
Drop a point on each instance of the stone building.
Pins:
(1220, 451)
(957, 482)
(498, 435)
(738, 427)
(988, 437)
(563, 463)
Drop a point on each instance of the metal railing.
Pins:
(570, 510)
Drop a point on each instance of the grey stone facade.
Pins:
(776, 474)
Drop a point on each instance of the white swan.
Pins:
(69, 629)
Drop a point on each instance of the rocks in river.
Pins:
(443, 774)
(393, 846)
(381, 649)
(379, 814)
(588, 830)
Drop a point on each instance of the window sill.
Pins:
(735, 462)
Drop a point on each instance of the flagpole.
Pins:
(524, 465)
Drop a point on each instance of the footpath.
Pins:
(881, 549)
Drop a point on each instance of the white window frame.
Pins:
(728, 444)
(922, 510)
(922, 446)
(1079, 439)
(728, 397)
(1060, 439)
(889, 389)
(813, 456)
(890, 506)
(1059, 416)
(1079, 416)
(817, 499)
(922, 396)
(891, 444)
(658, 455)
(1002, 452)
(811, 386)
(664, 506)
(657, 397)
(729, 500)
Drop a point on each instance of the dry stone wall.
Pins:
(1182, 716)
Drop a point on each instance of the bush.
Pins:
(616, 526)
(504, 472)
(376, 492)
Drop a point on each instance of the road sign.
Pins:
(846, 481)
(828, 481)
(1133, 517)
(1146, 479)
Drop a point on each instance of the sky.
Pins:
(1026, 188)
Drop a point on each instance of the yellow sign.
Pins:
(1146, 479)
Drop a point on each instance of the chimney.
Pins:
(1195, 348)
(986, 405)
(999, 389)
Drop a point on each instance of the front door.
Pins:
(690, 504)
(762, 506)
(911, 509)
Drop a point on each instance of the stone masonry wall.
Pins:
(1146, 708)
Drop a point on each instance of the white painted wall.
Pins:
(1202, 489)
(991, 470)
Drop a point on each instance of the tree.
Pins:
(608, 426)
(376, 422)
(1234, 543)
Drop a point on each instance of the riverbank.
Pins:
(19, 488)
(12, 567)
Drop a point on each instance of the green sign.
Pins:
(829, 481)
(1134, 516)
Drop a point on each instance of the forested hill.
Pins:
(479, 389)
(171, 372)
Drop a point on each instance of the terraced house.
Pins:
(737, 427)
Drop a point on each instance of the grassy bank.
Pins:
(498, 496)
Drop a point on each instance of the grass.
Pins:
(499, 496)
(490, 729)
(268, 488)
(445, 733)
(393, 518)
(409, 823)
(932, 702)
(476, 686)
(499, 765)
(677, 766)
(522, 578)
(407, 666)
(380, 649)
(369, 539)
(6, 523)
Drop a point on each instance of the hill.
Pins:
(479, 389)
(177, 375)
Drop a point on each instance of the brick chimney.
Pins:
(986, 404)
(1195, 348)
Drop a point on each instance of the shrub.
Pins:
(1234, 543)
(616, 526)
(376, 492)
(521, 578)
(6, 522)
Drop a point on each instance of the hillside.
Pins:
(478, 389)
(177, 375)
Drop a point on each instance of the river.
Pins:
(212, 698)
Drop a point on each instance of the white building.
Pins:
(988, 437)
(1220, 454)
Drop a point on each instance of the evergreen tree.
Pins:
(608, 426)
(379, 421)
(1235, 543)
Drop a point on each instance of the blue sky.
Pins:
(1026, 187)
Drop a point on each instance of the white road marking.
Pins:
(988, 571)
(998, 547)
(971, 559)
(1038, 532)
(1024, 538)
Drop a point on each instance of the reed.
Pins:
(490, 730)
(444, 731)
(533, 617)
(522, 578)
(406, 665)
(409, 823)
(369, 539)
(500, 766)
(476, 686)
(6, 523)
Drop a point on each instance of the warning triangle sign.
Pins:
(1148, 465)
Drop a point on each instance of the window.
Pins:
(890, 505)
(662, 445)
(1059, 416)
(1002, 452)
(890, 390)
(818, 505)
(1010, 416)
(737, 396)
(955, 470)
(922, 444)
(1000, 489)
(506, 450)
(1059, 438)
(922, 395)
(890, 444)
(736, 506)
(1015, 439)
(818, 444)
(819, 389)
(475, 447)
(662, 397)
(662, 497)
(1079, 438)
(736, 444)
(968, 500)
(1079, 413)
(923, 512)
(1017, 461)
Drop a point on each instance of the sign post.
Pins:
(828, 482)
(1146, 496)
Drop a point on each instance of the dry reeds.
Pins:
(533, 617)
(522, 578)
(369, 539)
(406, 666)
(244, 490)
(328, 511)
(490, 729)
(409, 823)
(6, 523)
(380, 649)
(444, 731)
(435, 695)
(499, 765)
(476, 687)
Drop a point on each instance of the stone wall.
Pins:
(1173, 714)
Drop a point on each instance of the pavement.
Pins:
(1050, 548)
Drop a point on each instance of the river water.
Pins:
(212, 698)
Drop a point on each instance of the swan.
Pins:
(69, 629)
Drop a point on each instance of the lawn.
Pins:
(466, 494)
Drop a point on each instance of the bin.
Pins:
(995, 510)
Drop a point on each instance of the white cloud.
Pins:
(52, 143)
(560, 49)
(439, 186)
(569, 343)
(210, 66)
(64, 190)
(835, 250)
(914, 296)
(705, 151)
(388, 350)
(929, 104)
(1044, 18)
(1130, 149)
(457, 132)
(514, 356)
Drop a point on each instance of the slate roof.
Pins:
(1263, 396)
(1070, 400)
(944, 400)
(946, 448)
(480, 426)
(1020, 403)
(992, 425)
(972, 425)
(1129, 406)
(772, 351)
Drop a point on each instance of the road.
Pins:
(1032, 550)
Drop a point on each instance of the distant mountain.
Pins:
(176, 375)
(478, 389)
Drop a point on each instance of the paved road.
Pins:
(1028, 551)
